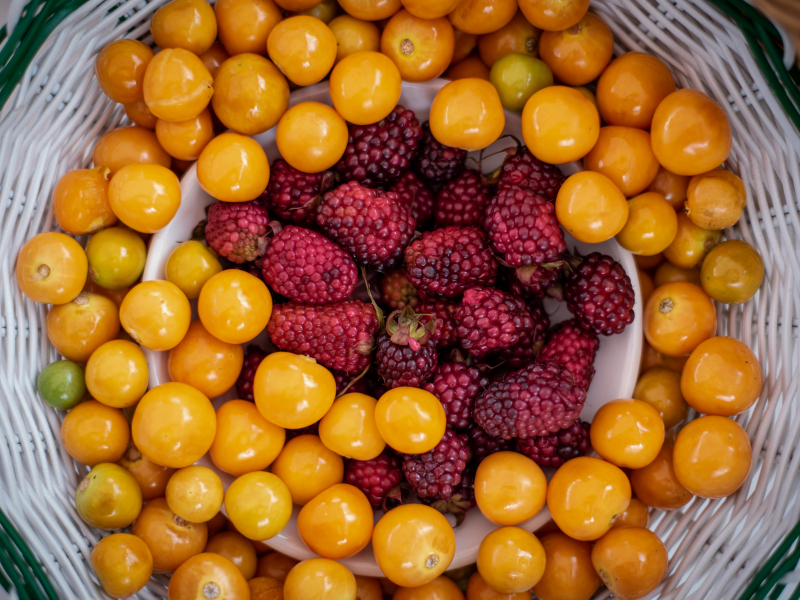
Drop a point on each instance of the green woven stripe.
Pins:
(19, 567)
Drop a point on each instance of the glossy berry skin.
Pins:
(320, 578)
(376, 477)
(234, 306)
(303, 48)
(190, 266)
(631, 561)
(411, 420)
(456, 385)
(108, 497)
(623, 154)
(656, 484)
(478, 589)
(77, 329)
(120, 69)
(691, 243)
(208, 574)
(415, 194)
(62, 383)
(233, 168)
(187, 24)
(574, 348)
(523, 228)
(177, 86)
(467, 113)
(732, 272)
(94, 433)
(539, 399)
(275, 566)
(308, 467)
(195, 493)
(420, 48)
(245, 441)
(128, 145)
(661, 389)
(523, 170)
(437, 473)
(258, 505)
(481, 444)
(152, 478)
(482, 16)
(678, 317)
(400, 365)
(448, 261)
(145, 197)
(123, 564)
(371, 225)
(591, 207)
(354, 35)
(445, 313)
(349, 428)
(627, 433)
(365, 86)
(636, 515)
(554, 449)
(237, 549)
(441, 588)
(244, 384)
(340, 335)
(80, 201)
(490, 320)
(511, 560)
(435, 162)
(462, 201)
(509, 488)
(337, 523)
(292, 195)
(117, 374)
(651, 225)
(51, 268)
(568, 572)
(171, 540)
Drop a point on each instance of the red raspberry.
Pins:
(406, 354)
(574, 348)
(308, 268)
(376, 477)
(523, 170)
(490, 320)
(437, 163)
(448, 261)
(600, 295)
(481, 444)
(397, 291)
(456, 385)
(339, 335)
(536, 281)
(416, 195)
(372, 225)
(293, 195)
(462, 201)
(244, 385)
(554, 449)
(237, 230)
(437, 473)
(525, 351)
(462, 500)
(523, 228)
(445, 313)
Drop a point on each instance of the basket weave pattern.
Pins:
(52, 121)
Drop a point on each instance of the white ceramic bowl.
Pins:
(617, 361)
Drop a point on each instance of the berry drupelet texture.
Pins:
(414, 193)
(462, 201)
(237, 230)
(490, 320)
(456, 385)
(481, 444)
(292, 195)
(445, 312)
(435, 162)
(523, 170)
(525, 351)
(376, 477)
(554, 449)
(397, 291)
(244, 385)
(436, 474)
(400, 365)
(572, 347)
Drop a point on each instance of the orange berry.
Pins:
(678, 317)
(259, 505)
(722, 377)
(631, 561)
(511, 560)
(365, 87)
(410, 420)
(482, 16)
(120, 69)
(308, 468)
(715, 200)
(80, 327)
(275, 565)
(420, 48)
(185, 140)
(369, 588)
(265, 588)
(245, 441)
(661, 389)
(336, 523)
(325, 10)
(509, 488)
(668, 273)
(560, 125)
(652, 358)
(51, 268)
(518, 35)
(554, 15)
(152, 478)
(145, 197)
(140, 115)
(116, 296)
(171, 540)
(187, 24)
(234, 306)
(233, 168)
(586, 495)
(174, 425)
(129, 145)
(656, 484)
(478, 589)
(80, 201)
(568, 571)
(190, 266)
(467, 113)
(108, 497)
(297, 5)
(646, 285)
(245, 25)
(349, 427)
(213, 59)
(208, 575)
(312, 137)
(303, 48)
(690, 133)
(237, 549)
(673, 187)
(371, 10)
(354, 35)
(627, 433)
(117, 374)
(94, 433)
(195, 493)
(580, 53)
(123, 564)
(636, 515)
(732, 272)
(177, 85)
(631, 88)
(648, 262)
(441, 588)
(590, 207)
(116, 257)
(321, 579)
(427, 9)
(471, 67)
(413, 544)
(465, 44)
(156, 314)
(623, 154)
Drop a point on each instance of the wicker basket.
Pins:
(56, 114)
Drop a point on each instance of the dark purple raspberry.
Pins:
(481, 444)
(448, 261)
(445, 313)
(244, 385)
(378, 154)
(437, 163)
(462, 500)
(372, 225)
(312, 429)
(308, 268)
(574, 348)
(462, 201)
(365, 384)
(406, 354)
(523, 228)
(437, 473)
(397, 291)
(456, 385)
(523, 170)
(600, 295)
(376, 477)
(237, 230)
(525, 351)
(490, 320)
(292, 195)
(554, 449)
(536, 400)
(536, 281)
(417, 196)
(340, 336)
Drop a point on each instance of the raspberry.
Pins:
(378, 154)
(462, 201)
(462, 500)
(293, 195)
(448, 261)
(537, 280)
(364, 385)
(523, 352)
(406, 355)
(237, 230)
(339, 335)
(397, 291)
(523, 228)
(372, 225)
(600, 295)
(490, 320)
(244, 385)
(376, 477)
(554, 449)
(308, 268)
(445, 313)
(536, 400)
(416, 195)
(481, 444)
(435, 474)
(456, 385)
(572, 347)
(525, 171)
(437, 163)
